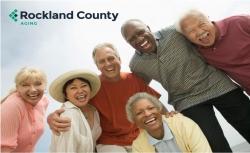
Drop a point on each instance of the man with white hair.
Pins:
(224, 44)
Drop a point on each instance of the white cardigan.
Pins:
(78, 138)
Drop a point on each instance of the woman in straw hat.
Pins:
(23, 112)
(74, 89)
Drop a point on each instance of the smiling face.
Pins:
(31, 90)
(108, 63)
(198, 29)
(139, 36)
(147, 116)
(78, 92)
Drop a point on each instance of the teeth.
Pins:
(81, 97)
(204, 35)
(144, 43)
(148, 121)
(33, 96)
(109, 69)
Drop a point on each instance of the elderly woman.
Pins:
(160, 134)
(23, 112)
(74, 89)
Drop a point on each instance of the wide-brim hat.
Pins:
(56, 87)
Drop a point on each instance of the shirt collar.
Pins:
(68, 104)
(167, 135)
(222, 29)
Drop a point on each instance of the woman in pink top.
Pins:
(23, 112)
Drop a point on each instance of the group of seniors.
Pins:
(119, 112)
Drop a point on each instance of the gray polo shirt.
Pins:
(167, 144)
(181, 71)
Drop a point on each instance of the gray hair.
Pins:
(135, 98)
(103, 45)
(187, 14)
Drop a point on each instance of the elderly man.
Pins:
(160, 134)
(193, 86)
(224, 44)
(116, 88)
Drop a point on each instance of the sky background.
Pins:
(57, 46)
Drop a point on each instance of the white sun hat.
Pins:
(56, 87)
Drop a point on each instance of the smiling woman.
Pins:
(160, 134)
(74, 89)
(23, 112)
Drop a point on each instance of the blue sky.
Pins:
(57, 46)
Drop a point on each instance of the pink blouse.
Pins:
(22, 124)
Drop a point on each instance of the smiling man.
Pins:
(224, 44)
(160, 134)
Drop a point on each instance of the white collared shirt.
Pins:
(78, 138)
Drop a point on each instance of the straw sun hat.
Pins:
(56, 87)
